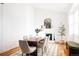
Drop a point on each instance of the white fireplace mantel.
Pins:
(48, 31)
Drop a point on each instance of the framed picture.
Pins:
(47, 23)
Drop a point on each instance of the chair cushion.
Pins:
(32, 49)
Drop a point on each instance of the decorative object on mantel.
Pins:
(47, 23)
(61, 31)
(54, 37)
(37, 31)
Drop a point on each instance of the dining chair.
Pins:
(25, 48)
(45, 45)
(40, 45)
(25, 37)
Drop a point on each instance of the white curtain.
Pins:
(74, 25)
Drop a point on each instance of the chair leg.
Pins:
(22, 54)
(29, 54)
(26, 54)
(42, 53)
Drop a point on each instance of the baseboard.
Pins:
(10, 51)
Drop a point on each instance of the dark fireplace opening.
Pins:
(49, 35)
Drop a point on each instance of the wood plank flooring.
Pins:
(9, 52)
(61, 51)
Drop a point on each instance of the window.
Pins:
(73, 25)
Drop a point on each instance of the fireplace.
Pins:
(49, 35)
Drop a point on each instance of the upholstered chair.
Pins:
(25, 48)
(25, 37)
(42, 44)
(45, 44)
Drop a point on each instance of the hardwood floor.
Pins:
(61, 51)
(9, 52)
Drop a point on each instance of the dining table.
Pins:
(33, 42)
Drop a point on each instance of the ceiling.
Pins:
(57, 7)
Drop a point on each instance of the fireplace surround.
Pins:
(49, 35)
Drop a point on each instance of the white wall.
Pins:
(57, 19)
(16, 18)
(22, 19)
(30, 20)
(1, 27)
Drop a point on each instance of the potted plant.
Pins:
(61, 31)
(37, 31)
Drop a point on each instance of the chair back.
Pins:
(45, 44)
(25, 37)
(46, 41)
(24, 46)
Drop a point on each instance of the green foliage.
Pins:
(37, 30)
(61, 30)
